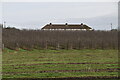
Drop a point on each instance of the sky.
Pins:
(34, 15)
(59, 0)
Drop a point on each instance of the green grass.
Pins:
(28, 64)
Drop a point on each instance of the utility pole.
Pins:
(111, 26)
(4, 24)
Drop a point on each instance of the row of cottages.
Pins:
(66, 26)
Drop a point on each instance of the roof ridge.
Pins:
(66, 26)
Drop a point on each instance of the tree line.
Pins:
(39, 39)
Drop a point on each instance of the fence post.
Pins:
(58, 46)
(17, 46)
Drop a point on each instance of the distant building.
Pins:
(66, 26)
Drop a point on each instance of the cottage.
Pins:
(66, 26)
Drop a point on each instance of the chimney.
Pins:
(50, 24)
(81, 23)
(66, 24)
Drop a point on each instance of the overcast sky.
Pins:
(34, 15)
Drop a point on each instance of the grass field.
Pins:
(60, 63)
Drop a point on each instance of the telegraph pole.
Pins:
(111, 26)
(4, 24)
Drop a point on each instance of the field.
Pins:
(60, 63)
